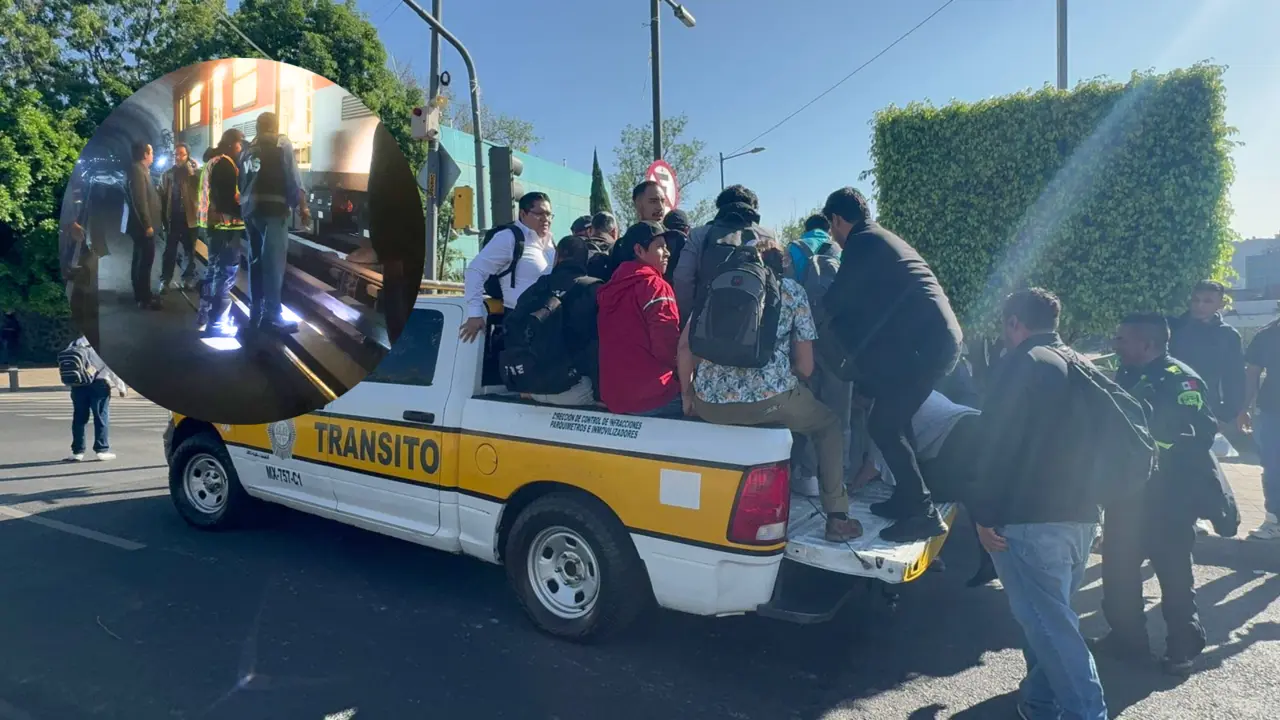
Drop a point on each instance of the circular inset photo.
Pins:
(247, 240)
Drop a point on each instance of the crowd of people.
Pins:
(845, 337)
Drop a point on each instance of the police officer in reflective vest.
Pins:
(1160, 522)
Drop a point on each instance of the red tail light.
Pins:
(762, 507)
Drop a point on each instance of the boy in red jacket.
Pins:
(640, 329)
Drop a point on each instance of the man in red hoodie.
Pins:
(640, 329)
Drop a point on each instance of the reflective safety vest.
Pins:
(221, 222)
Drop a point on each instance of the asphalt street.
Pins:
(111, 607)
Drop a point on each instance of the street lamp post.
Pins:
(724, 157)
(1062, 44)
(655, 61)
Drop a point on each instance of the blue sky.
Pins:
(578, 69)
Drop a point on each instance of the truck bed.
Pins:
(867, 556)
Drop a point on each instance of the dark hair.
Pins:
(737, 194)
(1210, 286)
(641, 188)
(816, 222)
(139, 151)
(1036, 308)
(573, 250)
(268, 123)
(529, 199)
(848, 203)
(183, 146)
(230, 137)
(208, 154)
(604, 222)
(1153, 327)
(771, 255)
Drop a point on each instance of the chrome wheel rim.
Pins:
(205, 483)
(564, 573)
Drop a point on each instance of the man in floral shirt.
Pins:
(774, 394)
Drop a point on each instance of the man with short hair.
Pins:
(144, 218)
(816, 235)
(93, 399)
(650, 205)
(218, 211)
(270, 190)
(737, 222)
(495, 259)
(601, 238)
(179, 194)
(890, 329)
(1033, 511)
(1213, 349)
(639, 328)
(1160, 522)
(581, 227)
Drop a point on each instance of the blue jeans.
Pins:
(1042, 568)
(673, 409)
(220, 275)
(1266, 432)
(268, 255)
(92, 399)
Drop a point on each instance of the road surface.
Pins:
(113, 608)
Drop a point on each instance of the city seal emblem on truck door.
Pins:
(282, 435)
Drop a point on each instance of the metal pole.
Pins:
(429, 270)
(655, 60)
(721, 171)
(1062, 44)
(475, 106)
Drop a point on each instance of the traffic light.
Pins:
(504, 169)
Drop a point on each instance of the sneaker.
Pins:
(1177, 665)
(106, 456)
(1204, 527)
(1268, 530)
(842, 529)
(806, 486)
(915, 528)
(75, 457)
(285, 327)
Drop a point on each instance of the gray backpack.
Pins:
(819, 274)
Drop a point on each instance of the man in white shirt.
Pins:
(495, 259)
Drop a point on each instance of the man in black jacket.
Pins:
(897, 337)
(1032, 511)
(144, 218)
(1213, 349)
(1160, 523)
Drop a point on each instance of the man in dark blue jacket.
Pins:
(891, 327)
(1213, 349)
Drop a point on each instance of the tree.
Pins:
(599, 196)
(498, 128)
(634, 153)
(795, 227)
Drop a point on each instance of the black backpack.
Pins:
(535, 357)
(737, 324)
(1113, 450)
(820, 272)
(493, 283)
(74, 366)
(718, 244)
(599, 262)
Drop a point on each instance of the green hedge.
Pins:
(1112, 195)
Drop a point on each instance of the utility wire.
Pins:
(227, 19)
(824, 93)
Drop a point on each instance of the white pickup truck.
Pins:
(595, 516)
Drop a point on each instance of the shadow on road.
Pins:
(78, 473)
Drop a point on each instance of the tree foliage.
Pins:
(497, 128)
(794, 228)
(634, 153)
(1112, 195)
(599, 193)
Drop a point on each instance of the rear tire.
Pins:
(575, 569)
(204, 486)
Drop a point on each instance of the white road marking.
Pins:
(71, 529)
(133, 412)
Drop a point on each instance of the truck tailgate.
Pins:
(867, 556)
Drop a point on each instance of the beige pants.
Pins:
(799, 411)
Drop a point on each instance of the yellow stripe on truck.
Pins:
(497, 467)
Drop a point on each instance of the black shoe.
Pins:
(284, 327)
(915, 528)
(985, 575)
(1113, 646)
(892, 509)
(1178, 665)
(155, 304)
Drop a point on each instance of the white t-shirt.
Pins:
(538, 258)
(932, 424)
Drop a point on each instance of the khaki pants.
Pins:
(838, 396)
(799, 411)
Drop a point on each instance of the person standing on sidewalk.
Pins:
(1033, 511)
(270, 189)
(1262, 412)
(90, 395)
(144, 219)
(179, 193)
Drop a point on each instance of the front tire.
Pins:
(204, 486)
(575, 569)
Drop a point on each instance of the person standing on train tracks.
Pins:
(270, 190)
(218, 211)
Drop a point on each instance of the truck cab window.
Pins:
(412, 359)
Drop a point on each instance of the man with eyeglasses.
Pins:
(516, 261)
